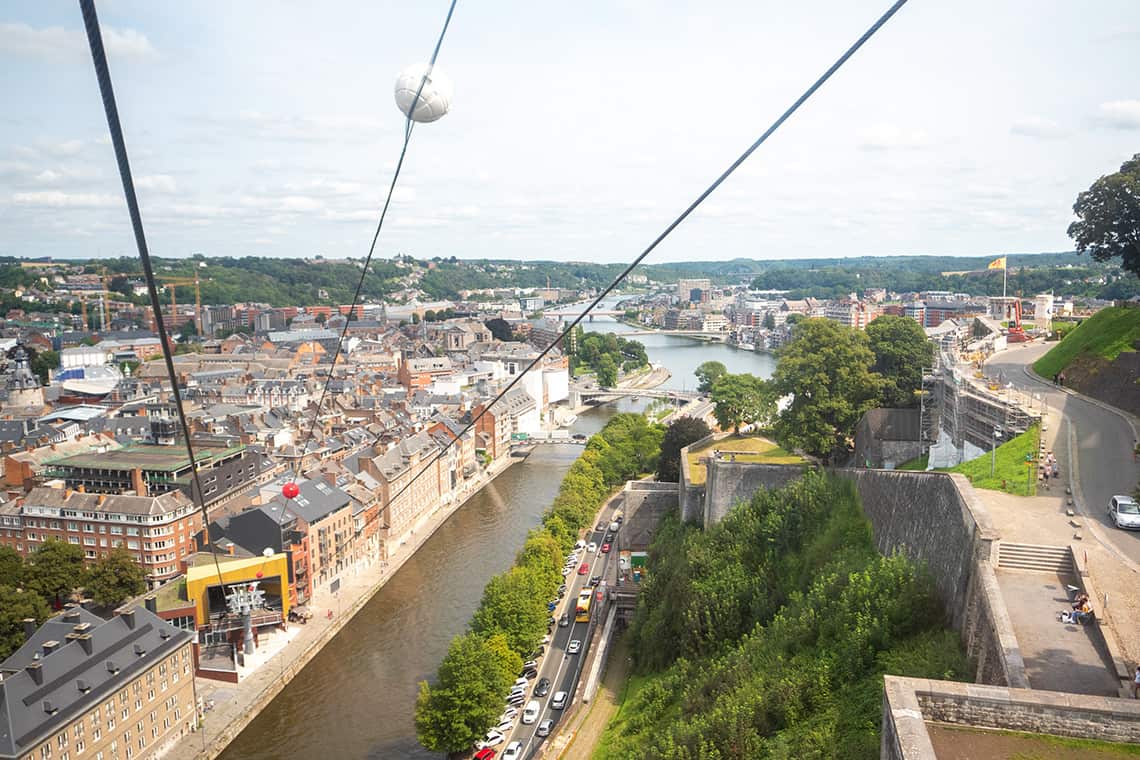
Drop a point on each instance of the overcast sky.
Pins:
(578, 130)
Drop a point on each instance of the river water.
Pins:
(357, 697)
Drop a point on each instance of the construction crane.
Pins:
(173, 283)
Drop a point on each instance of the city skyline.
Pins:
(956, 131)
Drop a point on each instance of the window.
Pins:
(89, 541)
(73, 540)
(72, 525)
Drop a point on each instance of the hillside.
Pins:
(767, 634)
(1099, 358)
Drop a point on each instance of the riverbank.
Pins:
(236, 705)
(644, 379)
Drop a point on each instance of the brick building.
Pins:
(158, 530)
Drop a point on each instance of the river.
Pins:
(356, 698)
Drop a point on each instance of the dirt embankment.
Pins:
(1113, 382)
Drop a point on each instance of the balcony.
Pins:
(226, 622)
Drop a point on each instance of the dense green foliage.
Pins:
(901, 350)
(1108, 217)
(117, 577)
(742, 400)
(826, 370)
(473, 677)
(680, 433)
(605, 354)
(1106, 334)
(15, 605)
(480, 665)
(1028, 274)
(767, 634)
(55, 571)
(708, 373)
(500, 329)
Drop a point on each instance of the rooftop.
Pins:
(146, 457)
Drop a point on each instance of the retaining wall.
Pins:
(909, 703)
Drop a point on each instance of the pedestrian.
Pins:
(1136, 684)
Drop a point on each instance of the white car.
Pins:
(592, 548)
(513, 751)
(530, 714)
(509, 714)
(559, 700)
(1124, 512)
(503, 726)
(492, 738)
(574, 647)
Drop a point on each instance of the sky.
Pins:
(578, 131)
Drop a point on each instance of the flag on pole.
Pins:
(997, 263)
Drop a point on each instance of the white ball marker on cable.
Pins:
(435, 97)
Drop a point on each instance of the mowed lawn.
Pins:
(746, 449)
(1011, 473)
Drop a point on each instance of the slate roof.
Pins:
(71, 679)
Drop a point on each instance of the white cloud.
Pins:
(892, 137)
(1035, 126)
(58, 199)
(159, 183)
(56, 43)
(1120, 114)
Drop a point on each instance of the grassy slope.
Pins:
(1107, 333)
(1010, 466)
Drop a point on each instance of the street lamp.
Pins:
(993, 451)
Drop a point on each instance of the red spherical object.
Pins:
(291, 490)
(260, 574)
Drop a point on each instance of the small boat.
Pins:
(636, 398)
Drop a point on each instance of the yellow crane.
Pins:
(106, 289)
(173, 283)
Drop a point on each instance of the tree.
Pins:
(513, 605)
(680, 433)
(707, 375)
(11, 567)
(115, 578)
(1108, 217)
(473, 677)
(55, 570)
(607, 371)
(500, 329)
(901, 350)
(740, 400)
(826, 370)
(42, 363)
(14, 607)
(321, 318)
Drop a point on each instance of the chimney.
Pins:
(140, 650)
(128, 617)
(29, 628)
(35, 670)
(50, 646)
(112, 668)
(138, 482)
(151, 604)
(71, 616)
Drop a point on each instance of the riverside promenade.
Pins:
(236, 705)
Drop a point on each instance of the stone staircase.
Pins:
(1041, 559)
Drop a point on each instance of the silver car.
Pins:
(1124, 512)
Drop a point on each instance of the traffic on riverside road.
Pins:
(574, 621)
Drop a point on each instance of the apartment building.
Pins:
(158, 530)
(405, 494)
(83, 687)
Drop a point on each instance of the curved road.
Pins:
(1102, 440)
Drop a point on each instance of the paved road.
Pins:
(1103, 444)
(556, 664)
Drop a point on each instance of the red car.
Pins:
(605, 548)
(584, 568)
(484, 754)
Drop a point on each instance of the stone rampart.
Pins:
(730, 483)
(910, 703)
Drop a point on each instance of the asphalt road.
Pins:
(1103, 444)
(561, 668)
